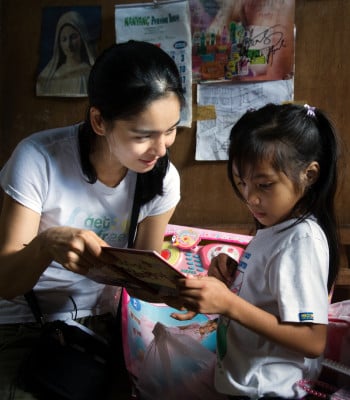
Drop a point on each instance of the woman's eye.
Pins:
(171, 131)
(142, 138)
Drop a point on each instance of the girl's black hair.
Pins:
(124, 80)
(292, 136)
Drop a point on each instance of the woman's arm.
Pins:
(210, 296)
(25, 254)
(150, 235)
(150, 231)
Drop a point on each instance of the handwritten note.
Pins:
(231, 101)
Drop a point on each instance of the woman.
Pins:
(69, 191)
(67, 72)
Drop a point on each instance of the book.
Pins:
(137, 269)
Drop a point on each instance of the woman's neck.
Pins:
(108, 169)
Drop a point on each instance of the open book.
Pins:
(136, 269)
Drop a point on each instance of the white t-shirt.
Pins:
(284, 273)
(44, 174)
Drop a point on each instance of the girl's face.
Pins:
(269, 194)
(70, 41)
(137, 143)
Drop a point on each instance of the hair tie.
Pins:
(310, 110)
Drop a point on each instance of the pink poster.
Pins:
(245, 40)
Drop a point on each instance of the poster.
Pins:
(69, 38)
(231, 102)
(166, 24)
(242, 40)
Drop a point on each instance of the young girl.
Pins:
(273, 325)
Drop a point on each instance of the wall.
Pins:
(321, 79)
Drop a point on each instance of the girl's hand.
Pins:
(223, 267)
(204, 294)
(177, 302)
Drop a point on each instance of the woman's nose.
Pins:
(159, 146)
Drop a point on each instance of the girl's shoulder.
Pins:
(306, 228)
(293, 229)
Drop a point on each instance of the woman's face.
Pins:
(137, 143)
(70, 41)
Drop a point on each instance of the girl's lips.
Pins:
(258, 215)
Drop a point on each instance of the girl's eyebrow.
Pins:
(264, 176)
(257, 176)
(147, 132)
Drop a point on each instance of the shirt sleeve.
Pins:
(169, 199)
(298, 279)
(24, 176)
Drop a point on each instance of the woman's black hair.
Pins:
(124, 80)
(292, 136)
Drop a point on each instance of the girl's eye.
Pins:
(265, 185)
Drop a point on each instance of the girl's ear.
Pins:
(97, 122)
(312, 172)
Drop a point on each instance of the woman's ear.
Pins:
(312, 172)
(97, 122)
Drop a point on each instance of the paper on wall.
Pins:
(231, 101)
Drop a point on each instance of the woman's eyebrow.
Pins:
(150, 131)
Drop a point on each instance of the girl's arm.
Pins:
(25, 254)
(208, 295)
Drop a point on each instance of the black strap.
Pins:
(31, 297)
(34, 306)
(135, 212)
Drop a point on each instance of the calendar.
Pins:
(167, 25)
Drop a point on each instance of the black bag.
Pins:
(66, 363)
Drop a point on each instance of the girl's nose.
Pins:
(251, 196)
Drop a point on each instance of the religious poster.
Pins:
(69, 37)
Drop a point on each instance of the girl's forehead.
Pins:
(253, 169)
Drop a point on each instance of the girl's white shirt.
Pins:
(283, 272)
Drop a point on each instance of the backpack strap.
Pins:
(135, 212)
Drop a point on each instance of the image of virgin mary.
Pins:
(66, 74)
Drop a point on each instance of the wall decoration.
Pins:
(69, 37)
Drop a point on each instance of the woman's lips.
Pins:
(149, 163)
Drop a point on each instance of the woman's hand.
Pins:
(75, 249)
